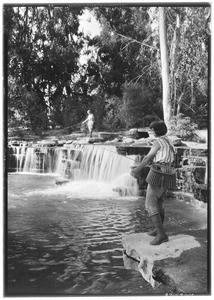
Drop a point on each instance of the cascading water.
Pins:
(40, 160)
(18, 153)
(101, 164)
(105, 165)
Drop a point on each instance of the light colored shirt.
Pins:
(166, 153)
(90, 117)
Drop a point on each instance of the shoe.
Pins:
(159, 240)
(161, 236)
(154, 231)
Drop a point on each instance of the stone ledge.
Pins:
(180, 264)
(188, 273)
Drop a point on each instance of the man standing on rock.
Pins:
(90, 122)
(160, 178)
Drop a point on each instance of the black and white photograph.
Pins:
(106, 148)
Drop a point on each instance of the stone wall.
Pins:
(191, 165)
(192, 172)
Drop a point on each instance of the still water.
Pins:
(66, 240)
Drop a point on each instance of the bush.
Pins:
(183, 128)
(111, 120)
(137, 103)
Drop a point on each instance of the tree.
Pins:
(138, 103)
(187, 30)
(127, 57)
(44, 47)
(167, 107)
(192, 68)
(42, 57)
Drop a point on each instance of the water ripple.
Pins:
(66, 246)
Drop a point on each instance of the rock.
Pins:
(175, 140)
(142, 142)
(48, 143)
(195, 145)
(201, 135)
(83, 141)
(133, 132)
(142, 134)
(107, 135)
(60, 144)
(128, 140)
(95, 140)
(125, 185)
(116, 140)
(141, 256)
(122, 191)
(61, 181)
(14, 143)
(72, 164)
(138, 133)
(69, 142)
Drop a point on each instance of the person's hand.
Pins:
(134, 172)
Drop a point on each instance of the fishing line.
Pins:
(98, 145)
(115, 153)
(69, 127)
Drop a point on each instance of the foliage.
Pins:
(138, 101)
(35, 110)
(124, 54)
(98, 108)
(120, 79)
(42, 56)
(112, 119)
(182, 127)
(189, 78)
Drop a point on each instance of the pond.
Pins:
(66, 240)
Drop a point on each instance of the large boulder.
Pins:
(201, 135)
(128, 140)
(143, 257)
(48, 143)
(138, 133)
(105, 136)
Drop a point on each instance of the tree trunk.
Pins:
(179, 103)
(167, 111)
(192, 103)
(173, 64)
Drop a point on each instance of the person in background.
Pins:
(90, 122)
(160, 178)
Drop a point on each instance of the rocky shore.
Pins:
(180, 265)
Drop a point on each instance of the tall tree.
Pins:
(167, 106)
(44, 46)
(43, 51)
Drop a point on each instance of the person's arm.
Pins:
(149, 157)
(85, 120)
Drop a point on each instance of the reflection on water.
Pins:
(67, 239)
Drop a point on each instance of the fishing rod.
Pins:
(69, 127)
(115, 153)
(97, 145)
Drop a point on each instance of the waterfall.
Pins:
(103, 163)
(100, 163)
(16, 157)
